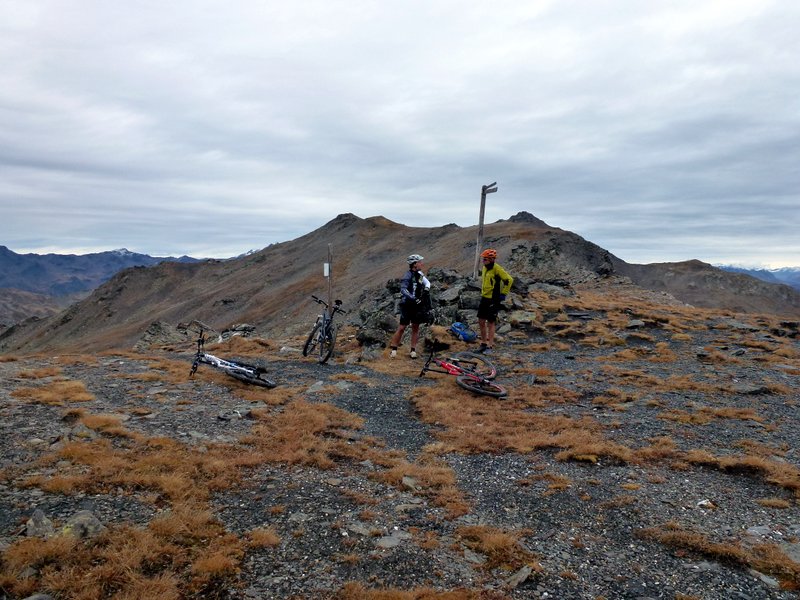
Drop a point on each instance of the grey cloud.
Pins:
(631, 124)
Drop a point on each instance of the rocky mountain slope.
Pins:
(271, 288)
(17, 305)
(788, 275)
(700, 284)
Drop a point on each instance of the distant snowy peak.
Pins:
(786, 275)
(248, 253)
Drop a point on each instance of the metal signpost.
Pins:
(327, 271)
(486, 189)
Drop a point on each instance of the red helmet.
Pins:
(489, 253)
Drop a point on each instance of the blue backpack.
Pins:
(462, 332)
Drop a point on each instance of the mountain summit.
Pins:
(271, 288)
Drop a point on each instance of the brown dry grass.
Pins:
(782, 474)
(705, 414)
(501, 548)
(76, 359)
(183, 551)
(472, 425)
(122, 562)
(240, 346)
(320, 435)
(40, 373)
(55, 393)
(774, 503)
(766, 558)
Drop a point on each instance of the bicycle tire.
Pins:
(311, 340)
(484, 387)
(256, 379)
(480, 365)
(326, 344)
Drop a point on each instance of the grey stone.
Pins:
(519, 577)
(83, 524)
(451, 295)
(39, 525)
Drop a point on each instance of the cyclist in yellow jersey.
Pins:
(495, 284)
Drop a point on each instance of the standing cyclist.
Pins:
(412, 286)
(495, 284)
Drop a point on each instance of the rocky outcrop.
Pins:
(454, 297)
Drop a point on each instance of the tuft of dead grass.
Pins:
(40, 373)
(501, 548)
(471, 425)
(263, 537)
(766, 558)
(55, 393)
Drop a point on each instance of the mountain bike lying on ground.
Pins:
(245, 372)
(323, 333)
(473, 372)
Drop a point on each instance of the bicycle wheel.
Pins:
(326, 344)
(478, 386)
(254, 378)
(480, 365)
(311, 341)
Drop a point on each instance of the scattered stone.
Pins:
(409, 483)
(39, 525)
(769, 581)
(759, 531)
(519, 577)
(83, 524)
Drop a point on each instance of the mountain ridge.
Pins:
(65, 274)
(271, 288)
(787, 275)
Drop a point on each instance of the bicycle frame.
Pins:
(241, 371)
(323, 332)
(467, 375)
(201, 356)
(448, 368)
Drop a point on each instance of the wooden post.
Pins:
(486, 189)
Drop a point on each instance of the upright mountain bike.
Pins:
(245, 372)
(473, 372)
(323, 334)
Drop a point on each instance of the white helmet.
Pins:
(413, 258)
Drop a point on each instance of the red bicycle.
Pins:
(473, 372)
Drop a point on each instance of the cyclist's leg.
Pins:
(414, 339)
(405, 319)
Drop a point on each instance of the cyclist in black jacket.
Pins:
(412, 286)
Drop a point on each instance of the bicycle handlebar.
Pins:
(336, 304)
(199, 324)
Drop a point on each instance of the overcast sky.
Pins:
(662, 131)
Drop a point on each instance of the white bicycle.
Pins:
(245, 372)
